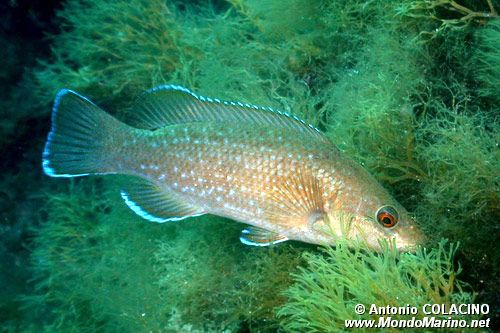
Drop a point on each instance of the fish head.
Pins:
(368, 213)
(382, 218)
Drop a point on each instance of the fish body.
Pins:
(193, 155)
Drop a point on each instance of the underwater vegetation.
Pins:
(449, 14)
(409, 89)
(100, 268)
(334, 281)
(487, 58)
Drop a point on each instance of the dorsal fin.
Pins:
(170, 104)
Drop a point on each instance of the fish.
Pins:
(188, 155)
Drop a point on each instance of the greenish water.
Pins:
(409, 89)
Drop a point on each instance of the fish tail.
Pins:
(78, 142)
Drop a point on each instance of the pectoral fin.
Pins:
(298, 198)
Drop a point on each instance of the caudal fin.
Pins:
(76, 145)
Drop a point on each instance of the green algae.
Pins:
(334, 282)
(85, 279)
(99, 267)
(216, 287)
(396, 99)
(486, 64)
(140, 41)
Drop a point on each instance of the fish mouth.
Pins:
(416, 235)
(412, 248)
(412, 239)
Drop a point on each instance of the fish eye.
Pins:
(387, 216)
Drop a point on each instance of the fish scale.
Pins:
(194, 155)
(232, 171)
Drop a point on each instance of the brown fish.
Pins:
(194, 155)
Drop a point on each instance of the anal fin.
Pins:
(255, 236)
(154, 204)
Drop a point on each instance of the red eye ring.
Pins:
(386, 219)
(387, 216)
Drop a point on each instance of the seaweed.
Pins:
(79, 252)
(371, 109)
(448, 14)
(97, 266)
(224, 286)
(114, 49)
(486, 61)
(419, 113)
(326, 292)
